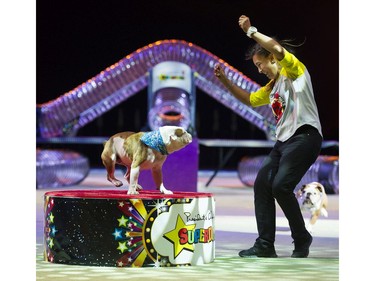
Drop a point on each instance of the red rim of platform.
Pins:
(121, 194)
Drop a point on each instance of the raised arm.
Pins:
(266, 42)
(236, 91)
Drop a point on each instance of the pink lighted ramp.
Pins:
(129, 76)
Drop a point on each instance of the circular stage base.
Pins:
(111, 228)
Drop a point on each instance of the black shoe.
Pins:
(259, 250)
(301, 247)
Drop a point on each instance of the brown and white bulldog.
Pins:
(313, 199)
(142, 151)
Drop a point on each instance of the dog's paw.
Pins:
(163, 190)
(324, 212)
(139, 187)
(166, 191)
(117, 183)
(132, 192)
(309, 228)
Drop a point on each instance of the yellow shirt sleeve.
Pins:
(291, 66)
(261, 96)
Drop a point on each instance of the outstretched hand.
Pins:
(220, 74)
(244, 23)
(218, 70)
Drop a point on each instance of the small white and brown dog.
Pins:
(142, 151)
(313, 199)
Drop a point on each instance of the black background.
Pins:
(78, 39)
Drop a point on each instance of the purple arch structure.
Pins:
(120, 81)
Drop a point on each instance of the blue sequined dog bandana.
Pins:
(155, 141)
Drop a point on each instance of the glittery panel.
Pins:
(148, 231)
(73, 110)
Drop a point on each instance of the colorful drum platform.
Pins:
(111, 228)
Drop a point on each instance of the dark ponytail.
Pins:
(259, 50)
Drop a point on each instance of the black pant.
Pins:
(281, 171)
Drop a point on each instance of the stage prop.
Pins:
(111, 228)
(180, 170)
(171, 96)
(171, 101)
(120, 81)
(57, 168)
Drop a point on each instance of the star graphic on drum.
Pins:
(174, 236)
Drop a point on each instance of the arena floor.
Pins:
(235, 229)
